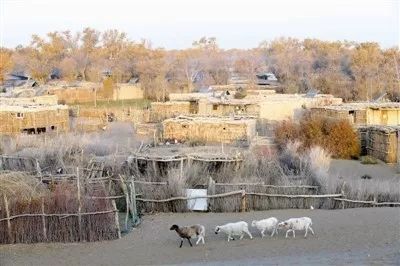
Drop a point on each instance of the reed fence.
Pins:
(221, 197)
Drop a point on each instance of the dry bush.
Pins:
(73, 150)
(336, 136)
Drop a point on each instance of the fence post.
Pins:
(44, 221)
(79, 203)
(343, 195)
(211, 191)
(39, 170)
(243, 201)
(8, 218)
(133, 201)
(125, 190)
(181, 168)
(116, 219)
(154, 167)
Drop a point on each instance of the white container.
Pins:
(199, 204)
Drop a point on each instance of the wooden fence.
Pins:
(81, 220)
(245, 199)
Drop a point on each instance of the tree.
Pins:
(365, 64)
(6, 62)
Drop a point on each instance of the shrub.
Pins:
(335, 136)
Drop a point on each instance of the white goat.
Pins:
(269, 224)
(234, 229)
(293, 224)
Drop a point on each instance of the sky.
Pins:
(175, 24)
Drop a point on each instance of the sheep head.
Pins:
(174, 227)
(282, 225)
(217, 228)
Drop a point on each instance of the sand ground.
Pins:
(365, 236)
(352, 169)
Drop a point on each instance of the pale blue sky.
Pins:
(235, 24)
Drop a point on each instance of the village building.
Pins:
(362, 113)
(164, 110)
(33, 119)
(278, 107)
(209, 129)
(39, 100)
(225, 107)
(381, 142)
(268, 106)
(84, 92)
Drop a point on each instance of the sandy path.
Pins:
(351, 236)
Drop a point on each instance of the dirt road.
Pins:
(351, 236)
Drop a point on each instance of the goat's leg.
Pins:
(229, 238)
(262, 233)
(273, 232)
(312, 231)
(198, 239)
(248, 233)
(190, 242)
(305, 235)
(287, 233)
(294, 235)
(241, 236)
(181, 243)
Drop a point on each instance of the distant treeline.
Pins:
(354, 71)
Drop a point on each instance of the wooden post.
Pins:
(137, 166)
(133, 201)
(127, 211)
(39, 170)
(116, 219)
(79, 203)
(343, 195)
(8, 219)
(154, 167)
(125, 190)
(243, 202)
(44, 221)
(181, 168)
(211, 191)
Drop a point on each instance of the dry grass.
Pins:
(293, 165)
(72, 150)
